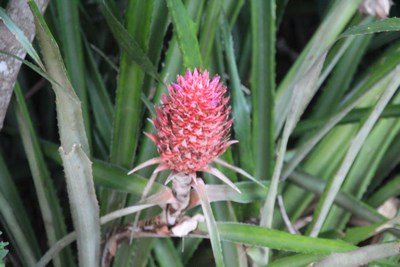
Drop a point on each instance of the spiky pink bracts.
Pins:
(193, 127)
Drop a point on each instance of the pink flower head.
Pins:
(192, 122)
(193, 129)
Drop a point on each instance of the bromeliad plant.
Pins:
(339, 170)
(192, 130)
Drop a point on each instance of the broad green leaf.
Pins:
(185, 31)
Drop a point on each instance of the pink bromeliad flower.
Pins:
(193, 128)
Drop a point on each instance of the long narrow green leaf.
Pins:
(211, 224)
(16, 231)
(260, 236)
(240, 109)
(263, 22)
(325, 158)
(337, 18)
(72, 49)
(208, 30)
(390, 189)
(166, 253)
(48, 201)
(185, 31)
(20, 36)
(100, 100)
(128, 43)
(25, 244)
(354, 116)
(335, 183)
(361, 256)
(385, 25)
(74, 150)
(304, 90)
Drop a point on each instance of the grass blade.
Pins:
(185, 31)
(334, 185)
(263, 24)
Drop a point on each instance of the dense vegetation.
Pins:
(315, 108)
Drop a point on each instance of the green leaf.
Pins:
(264, 237)
(388, 190)
(84, 208)
(335, 183)
(385, 25)
(72, 49)
(240, 109)
(15, 219)
(20, 36)
(74, 150)
(304, 90)
(185, 30)
(211, 224)
(128, 43)
(48, 201)
(166, 253)
(263, 24)
(332, 25)
(361, 256)
(100, 100)
(208, 30)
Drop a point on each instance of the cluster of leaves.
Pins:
(340, 155)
